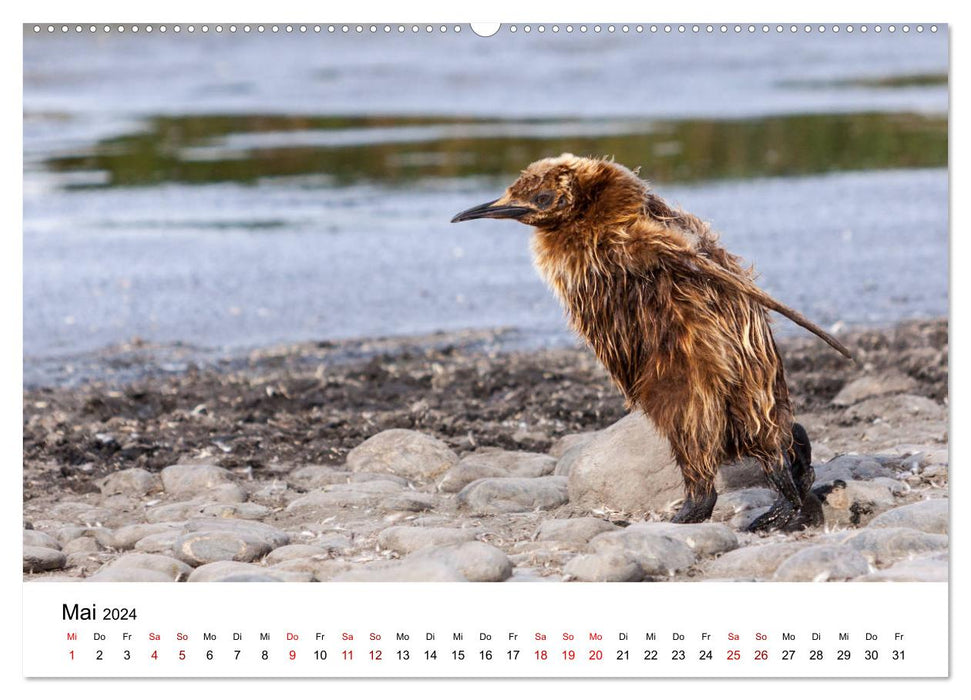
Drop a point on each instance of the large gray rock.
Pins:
(627, 468)
(405, 453)
(405, 540)
(128, 536)
(207, 546)
(234, 571)
(182, 480)
(927, 516)
(704, 539)
(869, 386)
(495, 463)
(568, 442)
(514, 495)
(733, 503)
(823, 562)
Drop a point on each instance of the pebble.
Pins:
(159, 543)
(36, 538)
(575, 530)
(604, 566)
(406, 453)
(130, 575)
(102, 535)
(126, 537)
(732, 503)
(191, 479)
(848, 468)
(315, 477)
(243, 511)
(404, 570)
(626, 468)
(704, 539)
(405, 540)
(173, 569)
(929, 568)
(495, 463)
(823, 562)
(883, 546)
(476, 561)
(81, 544)
(926, 516)
(658, 553)
(230, 571)
(759, 561)
(869, 386)
(294, 551)
(514, 494)
(43, 559)
(318, 569)
(858, 502)
(131, 482)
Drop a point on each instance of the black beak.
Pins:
(489, 210)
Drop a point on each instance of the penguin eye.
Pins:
(543, 199)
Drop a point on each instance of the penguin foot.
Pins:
(696, 510)
(784, 516)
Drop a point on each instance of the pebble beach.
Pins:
(451, 458)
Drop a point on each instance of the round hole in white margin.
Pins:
(485, 28)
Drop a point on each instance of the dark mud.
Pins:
(311, 403)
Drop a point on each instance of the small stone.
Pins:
(234, 571)
(758, 561)
(856, 503)
(126, 537)
(410, 502)
(315, 477)
(627, 468)
(743, 474)
(476, 561)
(405, 540)
(405, 453)
(294, 551)
(926, 516)
(36, 538)
(173, 569)
(272, 536)
(129, 575)
(732, 503)
(657, 552)
(317, 568)
(243, 511)
(704, 539)
(514, 495)
(898, 410)
(495, 463)
(869, 386)
(206, 546)
(193, 479)
(925, 569)
(604, 566)
(882, 546)
(42, 559)
(81, 544)
(405, 570)
(576, 530)
(159, 543)
(132, 482)
(823, 562)
(850, 468)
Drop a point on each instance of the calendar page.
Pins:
(513, 350)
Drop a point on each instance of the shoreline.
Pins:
(278, 427)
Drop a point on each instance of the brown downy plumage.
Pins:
(676, 320)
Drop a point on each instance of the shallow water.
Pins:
(234, 191)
